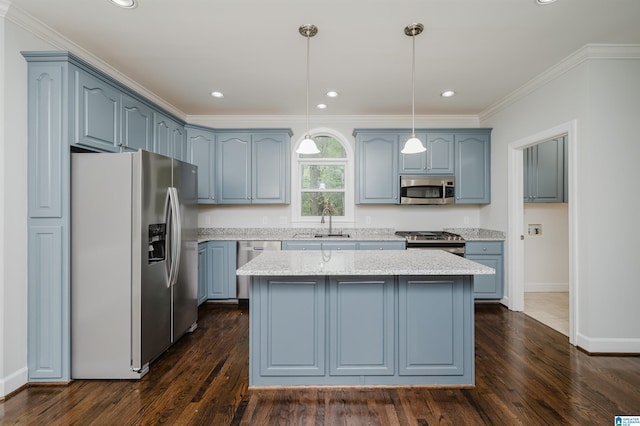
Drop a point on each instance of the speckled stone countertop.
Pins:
(478, 234)
(275, 234)
(361, 262)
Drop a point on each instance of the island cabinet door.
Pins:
(361, 326)
(291, 321)
(431, 329)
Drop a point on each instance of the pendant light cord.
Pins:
(413, 85)
(308, 37)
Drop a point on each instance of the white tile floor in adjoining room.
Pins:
(551, 309)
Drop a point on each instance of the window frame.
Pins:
(296, 179)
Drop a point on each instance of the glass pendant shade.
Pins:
(307, 146)
(413, 146)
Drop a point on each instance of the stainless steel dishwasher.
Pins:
(247, 250)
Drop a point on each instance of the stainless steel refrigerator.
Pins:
(134, 261)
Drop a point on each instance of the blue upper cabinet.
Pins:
(97, 120)
(473, 172)
(438, 159)
(252, 167)
(201, 152)
(137, 125)
(464, 153)
(377, 179)
(168, 137)
(544, 172)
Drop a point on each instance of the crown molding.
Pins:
(587, 52)
(4, 7)
(436, 120)
(60, 42)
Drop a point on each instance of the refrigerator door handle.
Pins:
(169, 245)
(176, 227)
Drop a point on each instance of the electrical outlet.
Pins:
(535, 229)
(367, 220)
(265, 220)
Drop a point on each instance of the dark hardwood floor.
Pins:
(526, 373)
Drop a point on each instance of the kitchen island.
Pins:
(361, 318)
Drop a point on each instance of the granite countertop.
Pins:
(478, 234)
(282, 234)
(361, 262)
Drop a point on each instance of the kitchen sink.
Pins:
(315, 235)
(332, 235)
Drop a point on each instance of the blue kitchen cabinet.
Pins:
(339, 245)
(431, 329)
(488, 253)
(381, 245)
(356, 347)
(202, 273)
(70, 104)
(290, 322)
(301, 245)
(252, 167)
(377, 180)
(472, 167)
(464, 153)
(221, 269)
(438, 159)
(201, 152)
(168, 137)
(545, 172)
(97, 108)
(137, 125)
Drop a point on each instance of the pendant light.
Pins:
(413, 145)
(308, 145)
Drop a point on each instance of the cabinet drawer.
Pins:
(483, 247)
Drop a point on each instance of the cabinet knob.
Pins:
(484, 249)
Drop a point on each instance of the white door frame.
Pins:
(515, 215)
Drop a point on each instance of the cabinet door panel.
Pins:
(291, 348)
(270, 165)
(473, 183)
(362, 321)
(440, 148)
(162, 135)
(378, 174)
(233, 168)
(431, 327)
(137, 126)
(202, 273)
(488, 286)
(217, 260)
(98, 113)
(201, 152)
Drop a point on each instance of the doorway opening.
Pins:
(516, 215)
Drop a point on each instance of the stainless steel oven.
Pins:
(427, 190)
(434, 240)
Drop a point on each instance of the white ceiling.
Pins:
(251, 50)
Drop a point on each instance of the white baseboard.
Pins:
(13, 381)
(545, 287)
(608, 345)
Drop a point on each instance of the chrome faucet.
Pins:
(328, 211)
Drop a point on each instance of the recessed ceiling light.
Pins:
(217, 94)
(127, 4)
(322, 106)
(332, 94)
(545, 1)
(447, 93)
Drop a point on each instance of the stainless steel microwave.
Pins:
(426, 190)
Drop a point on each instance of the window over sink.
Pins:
(323, 181)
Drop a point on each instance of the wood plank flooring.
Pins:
(526, 373)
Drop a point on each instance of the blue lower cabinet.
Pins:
(361, 326)
(291, 324)
(216, 270)
(202, 273)
(355, 330)
(431, 327)
(488, 253)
